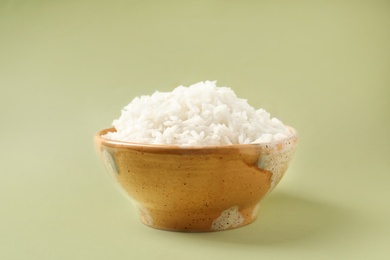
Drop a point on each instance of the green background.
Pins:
(68, 67)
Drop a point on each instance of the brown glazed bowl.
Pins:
(196, 188)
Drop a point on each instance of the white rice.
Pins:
(201, 114)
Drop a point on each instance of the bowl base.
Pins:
(231, 218)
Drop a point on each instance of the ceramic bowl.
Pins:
(198, 188)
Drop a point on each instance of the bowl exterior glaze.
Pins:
(196, 188)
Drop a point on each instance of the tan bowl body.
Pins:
(196, 188)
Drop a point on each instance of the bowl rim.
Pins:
(99, 138)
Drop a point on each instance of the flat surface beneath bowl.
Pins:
(68, 67)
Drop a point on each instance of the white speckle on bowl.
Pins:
(255, 210)
(276, 158)
(229, 218)
(145, 215)
(109, 162)
(112, 168)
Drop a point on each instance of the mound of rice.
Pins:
(201, 114)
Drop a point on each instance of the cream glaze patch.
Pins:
(276, 158)
(145, 215)
(255, 210)
(229, 218)
(109, 162)
(112, 168)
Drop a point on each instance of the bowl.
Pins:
(196, 188)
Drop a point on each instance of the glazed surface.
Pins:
(183, 189)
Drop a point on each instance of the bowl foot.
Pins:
(198, 221)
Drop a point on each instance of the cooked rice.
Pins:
(201, 114)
